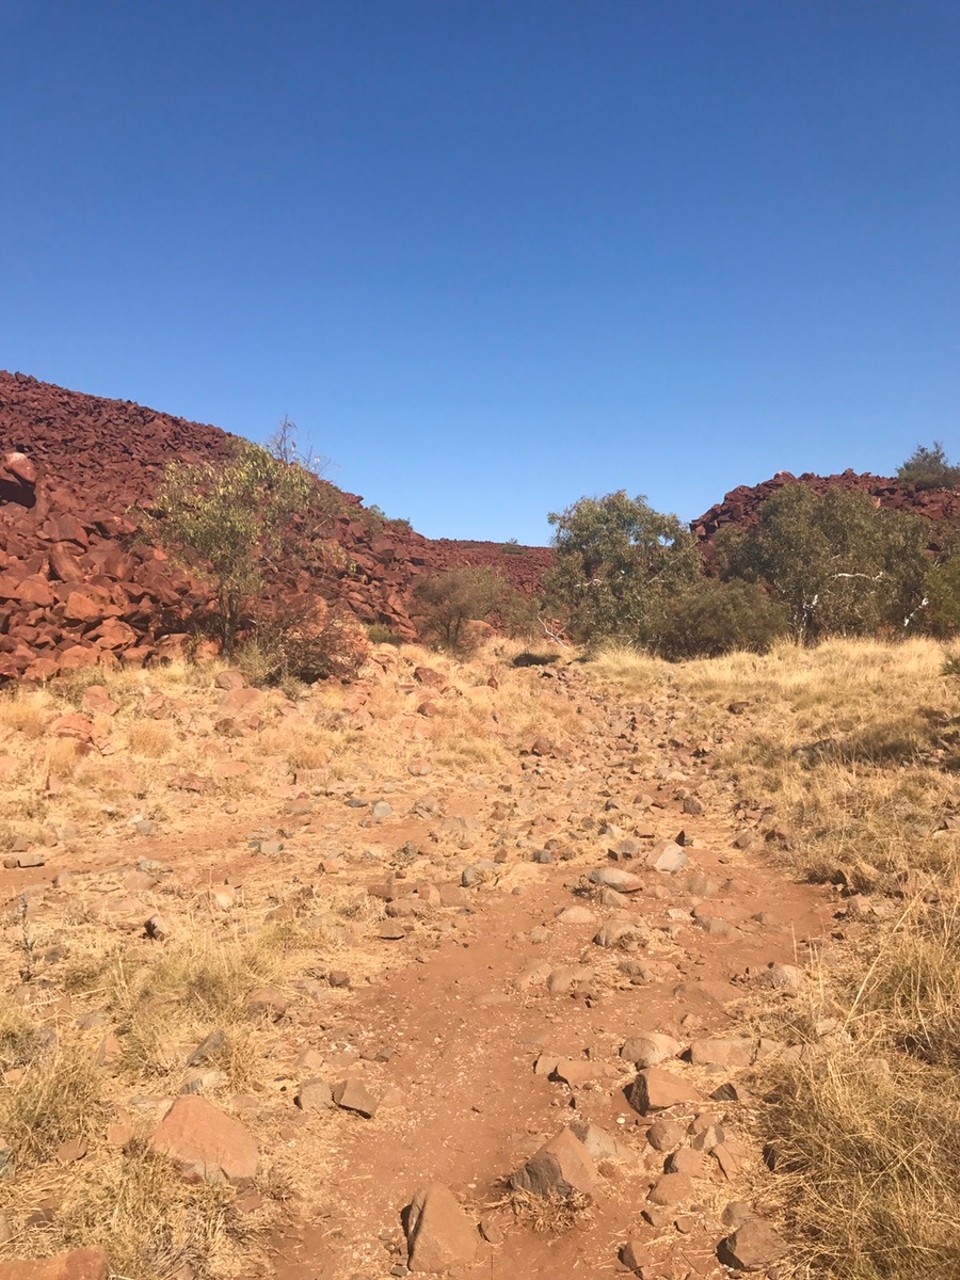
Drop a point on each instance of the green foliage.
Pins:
(929, 468)
(713, 618)
(618, 563)
(942, 615)
(446, 606)
(512, 548)
(838, 563)
(225, 520)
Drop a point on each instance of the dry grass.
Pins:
(553, 1213)
(853, 748)
(59, 1097)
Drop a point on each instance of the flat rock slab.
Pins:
(353, 1095)
(78, 1264)
(440, 1236)
(206, 1143)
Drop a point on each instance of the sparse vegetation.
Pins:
(837, 562)
(713, 618)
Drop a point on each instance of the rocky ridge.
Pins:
(741, 506)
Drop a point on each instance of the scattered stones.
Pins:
(666, 856)
(439, 1234)
(732, 1053)
(664, 1135)
(635, 1256)
(577, 915)
(685, 1160)
(614, 878)
(649, 1049)
(314, 1095)
(672, 1189)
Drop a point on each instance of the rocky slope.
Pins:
(742, 505)
(80, 585)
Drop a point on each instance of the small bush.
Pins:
(303, 640)
(447, 604)
(929, 468)
(714, 618)
(379, 633)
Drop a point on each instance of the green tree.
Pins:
(838, 563)
(617, 563)
(225, 521)
(929, 468)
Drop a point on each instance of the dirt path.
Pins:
(463, 1015)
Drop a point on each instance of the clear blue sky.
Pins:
(492, 256)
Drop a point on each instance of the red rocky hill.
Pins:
(79, 582)
(742, 505)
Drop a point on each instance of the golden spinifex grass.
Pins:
(853, 749)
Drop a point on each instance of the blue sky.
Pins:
(492, 256)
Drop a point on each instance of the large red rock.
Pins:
(78, 1264)
(440, 1236)
(561, 1167)
(206, 1143)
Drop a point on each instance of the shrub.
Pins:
(929, 468)
(942, 615)
(303, 640)
(714, 618)
(446, 605)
